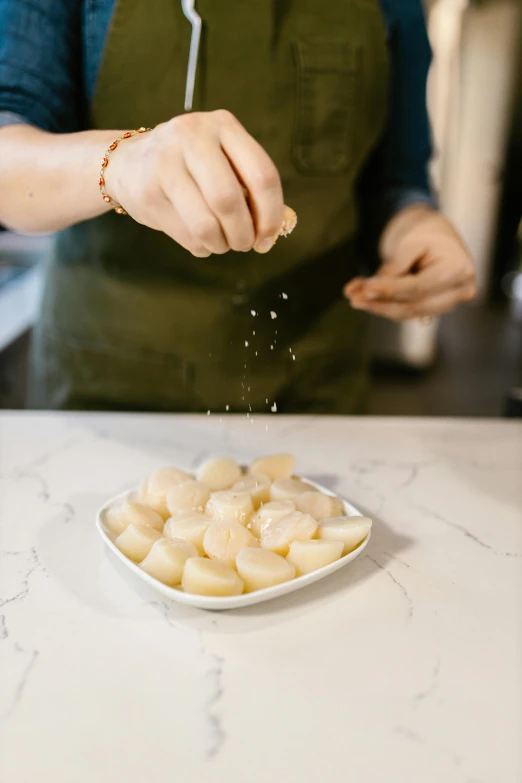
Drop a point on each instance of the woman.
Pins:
(289, 98)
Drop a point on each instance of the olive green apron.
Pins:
(129, 319)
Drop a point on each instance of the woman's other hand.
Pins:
(426, 269)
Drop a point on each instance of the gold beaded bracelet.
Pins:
(105, 162)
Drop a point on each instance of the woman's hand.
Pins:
(203, 180)
(426, 269)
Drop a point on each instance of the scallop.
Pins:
(136, 541)
(230, 506)
(117, 518)
(210, 577)
(268, 513)
(350, 530)
(276, 466)
(258, 487)
(166, 560)
(188, 527)
(288, 488)
(155, 488)
(260, 568)
(190, 496)
(223, 541)
(308, 556)
(278, 534)
(319, 505)
(219, 473)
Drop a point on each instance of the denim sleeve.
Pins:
(41, 64)
(397, 173)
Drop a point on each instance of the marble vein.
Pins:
(421, 695)
(213, 717)
(456, 526)
(43, 492)
(24, 679)
(33, 564)
(399, 585)
(413, 469)
(164, 608)
(214, 678)
(404, 731)
(397, 559)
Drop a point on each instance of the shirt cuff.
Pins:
(10, 118)
(397, 199)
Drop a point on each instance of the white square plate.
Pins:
(237, 601)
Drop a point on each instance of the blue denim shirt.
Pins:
(50, 53)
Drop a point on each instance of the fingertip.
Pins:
(264, 245)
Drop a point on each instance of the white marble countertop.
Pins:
(404, 667)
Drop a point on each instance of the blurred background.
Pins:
(470, 362)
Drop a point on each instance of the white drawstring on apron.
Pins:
(194, 18)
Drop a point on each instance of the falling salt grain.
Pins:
(227, 407)
(273, 315)
(253, 312)
(246, 343)
(285, 296)
(271, 347)
(274, 408)
(208, 413)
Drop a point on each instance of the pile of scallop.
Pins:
(230, 530)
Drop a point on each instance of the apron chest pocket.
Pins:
(328, 79)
